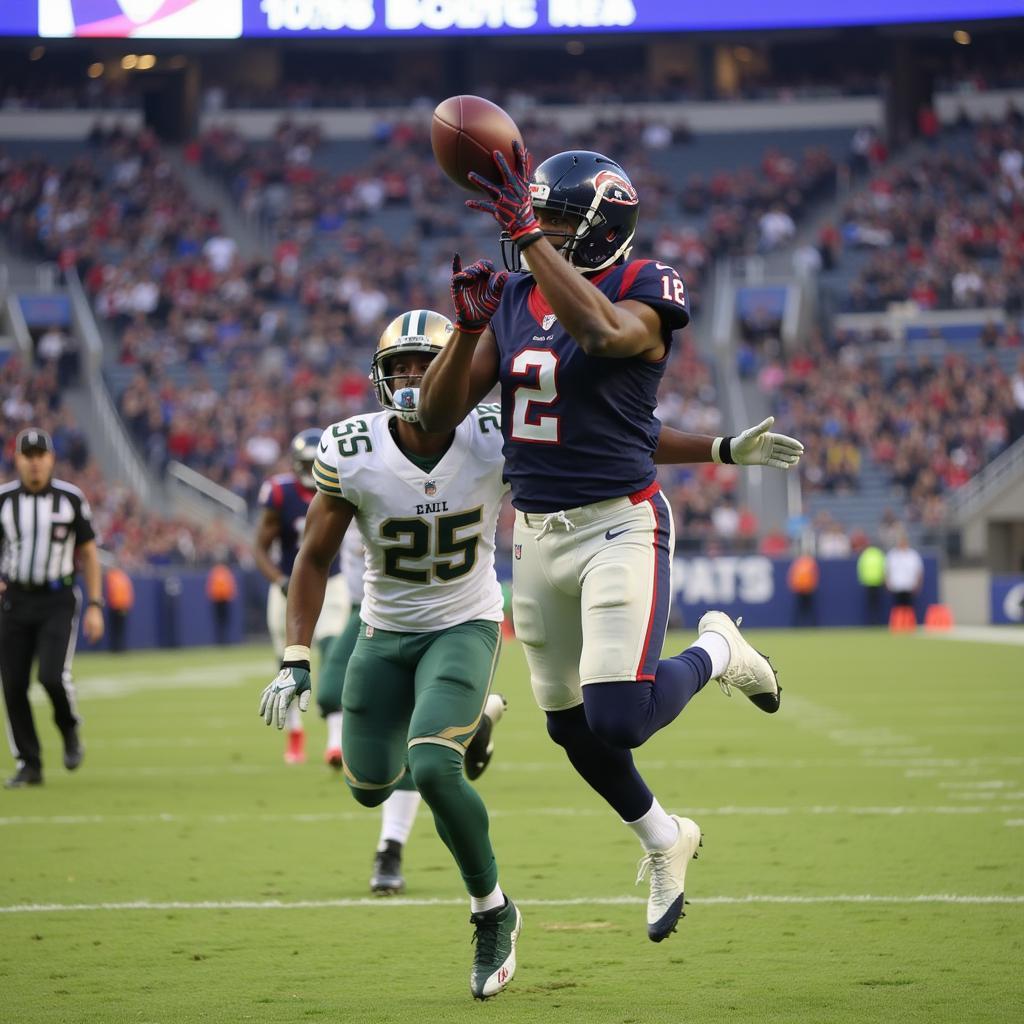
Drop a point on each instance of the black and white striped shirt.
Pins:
(39, 532)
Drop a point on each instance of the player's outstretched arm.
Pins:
(326, 522)
(755, 446)
(676, 447)
(466, 369)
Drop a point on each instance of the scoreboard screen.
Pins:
(231, 19)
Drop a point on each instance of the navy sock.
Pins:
(608, 770)
(627, 714)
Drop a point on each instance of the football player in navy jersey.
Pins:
(579, 344)
(285, 499)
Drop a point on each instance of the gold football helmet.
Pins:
(419, 330)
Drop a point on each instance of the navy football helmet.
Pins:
(594, 188)
(303, 452)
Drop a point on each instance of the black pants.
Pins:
(41, 624)
(805, 610)
(873, 606)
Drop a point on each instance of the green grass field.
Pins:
(862, 858)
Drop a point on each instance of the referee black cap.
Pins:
(33, 439)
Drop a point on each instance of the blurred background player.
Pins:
(284, 500)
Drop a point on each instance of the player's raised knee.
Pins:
(434, 767)
(616, 722)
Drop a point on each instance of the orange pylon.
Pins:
(902, 620)
(938, 617)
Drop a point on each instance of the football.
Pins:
(465, 131)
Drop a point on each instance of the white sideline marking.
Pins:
(979, 634)
(579, 901)
(535, 812)
(889, 760)
(739, 763)
(115, 685)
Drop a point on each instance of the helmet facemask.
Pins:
(403, 401)
(303, 469)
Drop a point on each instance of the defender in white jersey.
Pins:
(418, 681)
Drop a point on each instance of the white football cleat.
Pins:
(749, 671)
(668, 875)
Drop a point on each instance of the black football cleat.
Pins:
(481, 746)
(387, 879)
(24, 776)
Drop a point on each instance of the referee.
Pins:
(43, 522)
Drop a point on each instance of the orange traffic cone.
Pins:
(902, 620)
(938, 617)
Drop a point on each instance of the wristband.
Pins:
(721, 451)
(295, 653)
(524, 241)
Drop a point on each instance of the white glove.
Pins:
(292, 682)
(757, 446)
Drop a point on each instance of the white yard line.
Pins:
(214, 677)
(979, 634)
(532, 812)
(580, 901)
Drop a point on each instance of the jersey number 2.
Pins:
(526, 424)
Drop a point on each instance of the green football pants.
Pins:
(412, 701)
(331, 681)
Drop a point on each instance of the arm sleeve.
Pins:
(659, 286)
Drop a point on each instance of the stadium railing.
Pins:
(101, 406)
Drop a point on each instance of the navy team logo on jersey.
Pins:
(430, 488)
(548, 322)
(615, 189)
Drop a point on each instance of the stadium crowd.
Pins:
(219, 357)
(929, 424)
(944, 230)
(32, 396)
(205, 342)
